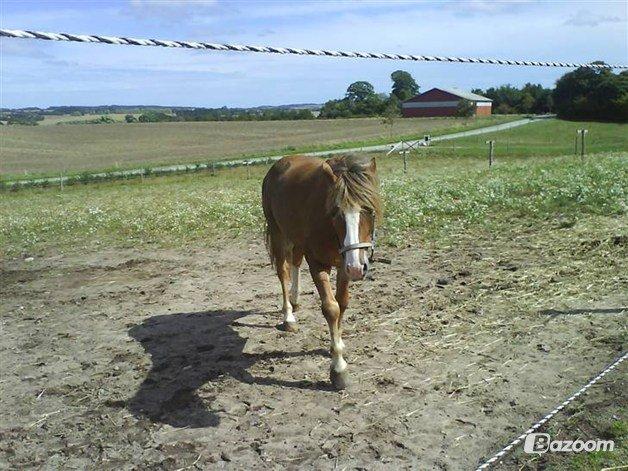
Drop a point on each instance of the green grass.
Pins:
(437, 197)
(542, 138)
(39, 151)
(462, 195)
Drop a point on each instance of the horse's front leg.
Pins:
(331, 311)
(342, 298)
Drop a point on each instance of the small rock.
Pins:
(225, 456)
(442, 282)
(543, 348)
(29, 259)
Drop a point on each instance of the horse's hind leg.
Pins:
(283, 272)
(295, 275)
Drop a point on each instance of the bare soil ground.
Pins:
(170, 359)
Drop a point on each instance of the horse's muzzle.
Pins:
(355, 273)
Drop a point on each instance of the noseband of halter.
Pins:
(359, 245)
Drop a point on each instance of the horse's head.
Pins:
(355, 229)
(356, 207)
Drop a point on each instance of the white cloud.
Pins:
(587, 18)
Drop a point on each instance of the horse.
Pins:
(324, 211)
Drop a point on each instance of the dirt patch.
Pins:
(167, 359)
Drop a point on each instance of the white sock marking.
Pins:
(338, 363)
(287, 312)
(294, 289)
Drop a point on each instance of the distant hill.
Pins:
(135, 109)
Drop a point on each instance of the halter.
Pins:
(362, 245)
(359, 245)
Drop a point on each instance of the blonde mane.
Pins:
(357, 185)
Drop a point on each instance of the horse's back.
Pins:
(293, 196)
(291, 177)
(293, 167)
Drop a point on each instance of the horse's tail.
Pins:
(274, 240)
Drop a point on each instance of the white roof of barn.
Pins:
(466, 95)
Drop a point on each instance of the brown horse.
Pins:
(325, 211)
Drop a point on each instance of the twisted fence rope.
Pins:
(82, 38)
(499, 455)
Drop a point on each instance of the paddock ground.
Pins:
(170, 359)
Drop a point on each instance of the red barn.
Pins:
(442, 102)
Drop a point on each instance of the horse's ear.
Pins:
(373, 165)
(327, 170)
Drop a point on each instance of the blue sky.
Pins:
(38, 73)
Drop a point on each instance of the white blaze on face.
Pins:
(353, 264)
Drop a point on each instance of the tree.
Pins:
(530, 98)
(527, 102)
(360, 100)
(359, 91)
(156, 117)
(391, 113)
(592, 94)
(336, 109)
(465, 108)
(404, 86)
(130, 118)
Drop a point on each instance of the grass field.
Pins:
(440, 195)
(51, 150)
(61, 119)
(546, 137)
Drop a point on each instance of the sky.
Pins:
(45, 73)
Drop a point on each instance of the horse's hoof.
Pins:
(288, 327)
(339, 380)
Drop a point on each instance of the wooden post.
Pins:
(582, 144)
(575, 149)
(491, 146)
(213, 169)
(248, 171)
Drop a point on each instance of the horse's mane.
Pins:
(356, 186)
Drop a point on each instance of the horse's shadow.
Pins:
(189, 350)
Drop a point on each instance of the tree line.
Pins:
(222, 114)
(594, 94)
(361, 100)
(585, 93)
